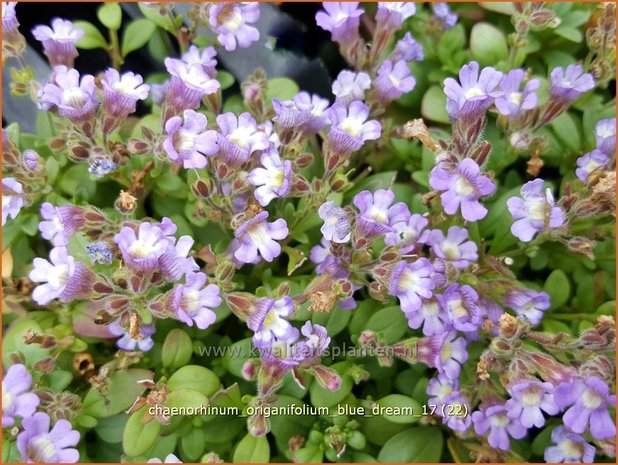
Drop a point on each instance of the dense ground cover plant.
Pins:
(419, 266)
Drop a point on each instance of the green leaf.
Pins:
(558, 287)
(310, 454)
(281, 88)
(195, 377)
(177, 349)
(186, 398)
(252, 450)
(76, 177)
(13, 341)
(110, 15)
(137, 34)
(400, 409)
(193, 444)
(226, 79)
(390, 322)
(568, 131)
(569, 33)
(421, 444)
(122, 391)
(378, 430)
(110, 429)
(452, 41)
(506, 8)
(433, 106)
(163, 21)
(334, 321)
(488, 44)
(138, 436)
(92, 37)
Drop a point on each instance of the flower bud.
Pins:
(328, 378)
(249, 370)
(242, 304)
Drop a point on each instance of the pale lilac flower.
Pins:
(535, 211)
(316, 342)
(439, 388)
(529, 399)
(327, 263)
(274, 180)
(407, 49)
(452, 354)
(188, 143)
(462, 186)
(60, 223)
(568, 84)
(204, 58)
(33, 161)
(457, 412)
(62, 277)
(59, 41)
(453, 248)
(193, 301)
(393, 14)
(411, 282)
(569, 448)
(9, 19)
(101, 167)
(188, 84)
(528, 304)
(12, 198)
(377, 214)
(350, 86)
(240, 137)
(393, 80)
(461, 306)
(17, 401)
(37, 443)
(231, 22)
(513, 100)
(74, 99)
(291, 113)
(270, 322)
(336, 227)
(408, 234)
(591, 162)
(341, 19)
(605, 133)
(589, 400)
(318, 119)
(257, 235)
(474, 92)
(170, 458)
(143, 341)
(442, 11)
(121, 92)
(431, 315)
(500, 426)
(100, 253)
(350, 128)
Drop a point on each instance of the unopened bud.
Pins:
(508, 325)
(328, 378)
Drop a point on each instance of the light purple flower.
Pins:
(452, 354)
(62, 277)
(500, 426)
(37, 443)
(257, 235)
(188, 143)
(240, 137)
(341, 19)
(60, 222)
(462, 186)
(439, 388)
(528, 304)
(205, 58)
(169, 458)
(231, 22)
(74, 99)
(314, 345)
(535, 211)
(12, 198)
(444, 14)
(605, 133)
(291, 113)
(318, 119)
(513, 100)
(393, 80)
(457, 412)
(591, 162)
(350, 128)
(188, 84)
(336, 227)
(327, 263)
(589, 401)
(453, 248)
(193, 301)
(474, 92)
(142, 342)
(431, 315)
(350, 86)
(569, 448)
(270, 322)
(408, 234)
(59, 41)
(529, 399)
(17, 401)
(407, 49)
(377, 214)
(33, 161)
(411, 282)
(274, 180)
(393, 14)
(461, 305)
(9, 19)
(568, 84)
(121, 92)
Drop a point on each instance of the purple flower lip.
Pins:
(273, 180)
(341, 19)
(12, 198)
(74, 99)
(350, 86)
(350, 128)
(474, 93)
(256, 235)
(16, 400)
(231, 24)
(568, 84)
(513, 100)
(37, 443)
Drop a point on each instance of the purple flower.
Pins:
(530, 398)
(452, 354)
(9, 19)
(591, 162)
(16, 400)
(341, 19)
(63, 277)
(327, 263)
(193, 301)
(589, 400)
(314, 345)
(231, 24)
(393, 80)
(535, 211)
(74, 99)
(12, 198)
(336, 227)
(514, 101)
(377, 215)
(188, 84)
(439, 388)
(453, 248)
(169, 458)
(257, 235)
(408, 234)
(461, 306)
(393, 14)
(528, 304)
(431, 315)
(143, 341)
(33, 161)
(474, 93)
(205, 58)
(101, 167)
(456, 412)
(239, 138)
(270, 322)
(188, 142)
(36, 443)
(121, 92)
(495, 420)
(410, 282)
(59, 41)
(60, 222)
(350, 86)
(274, 179)
(568, 84)
(291, 113)
(462, 186)
(569, 448)
(444, 14)
(605, 133)
(350, 128)
(407, 49)
(318, 118)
